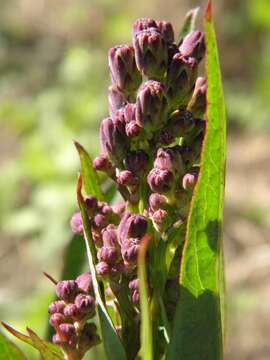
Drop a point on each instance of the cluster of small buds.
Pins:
(69, 316)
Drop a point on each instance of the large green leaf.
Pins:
(90, 177)
(146, 350)
(9, 351)
(47, 350)
(113, 347)
(199, 316)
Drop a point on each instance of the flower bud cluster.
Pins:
(70, 313)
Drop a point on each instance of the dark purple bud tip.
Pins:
(157, 201)
(109, 236)
(67, 333)
(137, 161)
(166, 30)
(110, 255)
(160, 181)
(124, 72)
(189, 181)
(85, 304)
(143, 24)
(102, 163)
(133, 129)
(90, 202)
(116, 99)
(102, 269)
(56, 307)
(193, 45)
(71, 311)
(166, 137)
(169, 159)
(84, 282)
(127, 178)
(76, 223)
(67, 290)
(150, 106)
(57, 319)
(137, 226)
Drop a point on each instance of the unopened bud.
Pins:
(197, 104)
(137, 161)
(166, 30)
(157, 201)
(160, 181)
(102, 268)
(57, 319)
(84, 282)
(127, 178)
(143, 24)
(116, 99)
(189, 181)
(193, 45)
(56, 307)
(76, 223)
(110, 255)
(85, 304)
(66, 290)
(68, 334)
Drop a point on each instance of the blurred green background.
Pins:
(53, 88)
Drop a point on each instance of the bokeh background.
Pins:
(53, 85)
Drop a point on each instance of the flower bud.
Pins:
(110, 255)
(102, 163)
(113, 143)
(197, 104)
(127, 178)
(84, 282)
(85, 304)
(151, 53)
(169, 159)
(66, 290)
(124, 72)
(68, 334)
(119, 208)
(150, 106)
(157, 201)
(56, 307)
(160, 218)
(166, 30)
(132, 226)
(116, 99)
(135, 297)
(130, 250)
(166, 136)
(133, 285)
(57, 319)
(143, 24)
(102, 268)
(136, 161)
(90, 202)
(76, 223)
(109, 236)
(189, 181)
(181, 77)
(160, 180)
(71, 311)
(99, 222)
(193, 45)
(127, 113)
(56, 339)
(132, 129)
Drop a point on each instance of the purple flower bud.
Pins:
(56, 339)
(133, 129)
(66, 290)
(99, 222)
(104, 208)
(143, 24)
(197, 104)
(137, 161)
(130, 250)
(193, 45)
(124, 72)
(160, 180)
(127, 113)
(90, 202)
(84, 282)
(57, 319)
(116, 99)
(127, 178)
(133, 285)
(169, 159)
(88, 338)
(71, 311)
(150, 106)
(67, 333)
(160, 218)
(157, 201)
(151, 53)
(102, 268)
(132, 226)
(76, 223)
(135, 297)
(85, 304)
(166, 30)
(102, 163)
(113, 143)
(109, 236)
(181, 78)
(110, 255)
(119, 208)
(189, 181)
(56, 307)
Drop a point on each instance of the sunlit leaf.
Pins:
(9, 351)
(199, 316)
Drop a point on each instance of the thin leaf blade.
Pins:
(112, 345)
(9, 351)
(199, 316)
(189, 23)
(90, 177)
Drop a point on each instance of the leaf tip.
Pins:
(208, 11)
(48, 276)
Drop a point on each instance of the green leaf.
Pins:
(146, 350)
(9, 351)
(198, 325)
(47, 350)
(113, 347)
(90, 177)
(189, 23)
